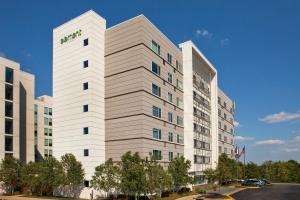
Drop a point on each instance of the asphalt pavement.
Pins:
(278, 191)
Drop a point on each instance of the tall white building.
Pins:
(78, 91)
(200, 110)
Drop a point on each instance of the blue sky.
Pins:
(255, 46)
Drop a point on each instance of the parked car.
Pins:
(252, 182)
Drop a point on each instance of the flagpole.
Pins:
(244, 162)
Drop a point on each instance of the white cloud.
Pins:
(225, 42)
(236, 124)
(281, 117)
(242, 138)
(289, 150)
(270, 142)
(203, 33)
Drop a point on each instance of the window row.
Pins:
(201, 129)
(157, 155)
(156, 134)
(156, 70)
(201, 145)
(156, 90)
(201, 159)
(47, 121)
(47, 131)
(48, 142)
(47, 111)
(156, 112)
(48, 152)
(225, 128)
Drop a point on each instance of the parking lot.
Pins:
(278, 191)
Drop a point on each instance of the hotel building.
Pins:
(16, 111)
(43, 127)
(226, 108)
(129, 88)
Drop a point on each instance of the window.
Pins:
(179, 121)
(46, 110)
(155, 90)
(225, 139)
(179, 84)
(220, 137)
(50, 153)
(225, 127)
(231, 131)
(219, 112)
(85, 42)
(225, 116)
(219, 100)
(178, 66)
(46, 121)
(50, 121)
(86, 130)
(85, 86)
(170, 97)
(8, 92)
(179, 103)
(85, 64)
(156, 133)
(156, 111)
(170, 156)
(8, 126)
(170, 137)
(50, 111)
(225, 105)
(8, 109)
(155, 47)
(46, 142)
(220, 149)
(8, 143)
(46, 152)
(155, 68)
(220, 124)
(170, 117)
(180, 138)
(50, 132)
(170, 77)
(86, 183)
(85, 108)
(231, 141)
(225, 150)
(169, 58)
(85, 152)
(50, 142)
(9, 75)
(156, 154)
(46, 131)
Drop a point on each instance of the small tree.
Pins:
(51, 175)
(106, 177)
(132, 174)
(73, 173)
(211, 175)
(30, 176)
(10, 170)
(179, 170)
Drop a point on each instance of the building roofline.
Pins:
(192, 44)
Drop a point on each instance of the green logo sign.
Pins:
(70, 37)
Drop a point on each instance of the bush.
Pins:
(200, 191)
(166, 193)
(184, 190)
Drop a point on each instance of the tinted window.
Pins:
(85, 42)
(8, 109)
(8, 143)
(9, 75)
(9, 92)
(8, 126)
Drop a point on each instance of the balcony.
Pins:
(201, 87)
(202, 101)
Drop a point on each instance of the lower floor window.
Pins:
(156, 154)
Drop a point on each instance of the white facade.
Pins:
(69, 95)
(195, 64)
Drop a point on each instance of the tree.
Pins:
(106, 177)
(10, 170)
(132, 174)
(252, 170)
(211, 175)
(157, 178)
(226, 169)
(73, 173)
(30, 176)
(179, 170)
(51, 175)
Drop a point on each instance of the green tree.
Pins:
(132, 174)
(73, 173)
(179, 170)
(211, 175)
(226, 169)
(30, 176)
(252, 170)
(157, 178)
(50, 176)
(106, 177)
(10, 173)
